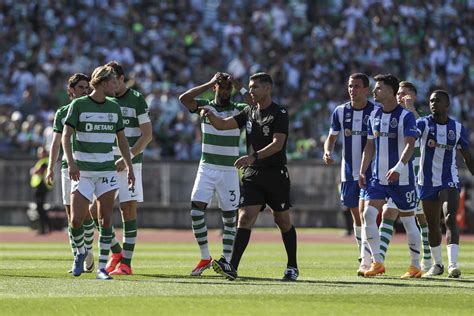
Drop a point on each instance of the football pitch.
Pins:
(34, 281)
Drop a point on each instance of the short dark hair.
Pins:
(118, 69)
(74, 79)
(389, 80)
(444, 93)
(408, 85)
(262, 77)
(361, 76)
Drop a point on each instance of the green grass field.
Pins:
(33, 281)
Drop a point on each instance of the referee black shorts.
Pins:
(266, 186)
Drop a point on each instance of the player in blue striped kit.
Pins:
(391, 138)
(440, 137)
(351, 118)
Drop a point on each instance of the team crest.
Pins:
(248, 126)
(393, 123)
(451, 135)
(347, 132)
(124, 112)
(266, 130)
(111, 117)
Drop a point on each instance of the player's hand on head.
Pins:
(216, 77)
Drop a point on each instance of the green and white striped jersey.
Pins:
(58, 127)
(134, 112)
(96, 126)
(220, 149)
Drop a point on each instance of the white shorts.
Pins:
(391, 204)
(94, 187)
(223, 182)
(66, 186)
(124, 193)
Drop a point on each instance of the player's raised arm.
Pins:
(188, 98)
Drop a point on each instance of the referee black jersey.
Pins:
(260, 125)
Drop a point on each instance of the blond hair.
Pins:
(100, 74)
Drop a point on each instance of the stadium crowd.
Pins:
(309, 48)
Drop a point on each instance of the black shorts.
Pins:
(269, 186)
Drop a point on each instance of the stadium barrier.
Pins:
(167, 189)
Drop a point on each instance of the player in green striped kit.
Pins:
(138, 131)
(216, 173)
(97, 123)
(78, 86)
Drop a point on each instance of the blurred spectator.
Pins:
(309, 47)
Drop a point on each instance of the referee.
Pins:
(265, 180)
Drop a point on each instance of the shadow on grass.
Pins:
(383, 281)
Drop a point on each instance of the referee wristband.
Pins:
(243, 91)
(399, 167)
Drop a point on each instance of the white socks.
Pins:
(414, 242)
(372, 232)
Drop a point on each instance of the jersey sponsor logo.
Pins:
(389, 135)
(393, 123)
(451, 135)
(98, 127)
(266, 130)
(348, 133)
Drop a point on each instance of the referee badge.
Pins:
(248, 126)
(266, 130)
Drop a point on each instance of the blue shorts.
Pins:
(351, 193)
(431, 193)
(404, 196)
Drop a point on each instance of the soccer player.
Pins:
(406, 97)
(78, 86)
(216, 172)
(352, 118)
(440, 138)
(96, 122)
(391, 138)
(138, 131)
(265, 180)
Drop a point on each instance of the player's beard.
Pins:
(224, 101)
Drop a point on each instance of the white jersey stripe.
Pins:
(89, 137)
(143, 118)
(133, 132)
(220, 150)
(93, 157)
(98, 117)
(209, 129)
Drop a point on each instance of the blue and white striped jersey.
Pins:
(438, 151)
(389, 130)
(354, 124)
